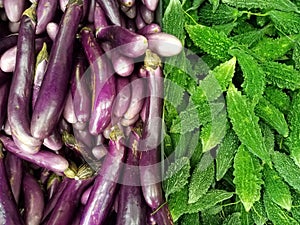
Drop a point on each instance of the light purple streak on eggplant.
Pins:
(33, 200)
(147, 15)
(69, 112)
(14, 26)
(127, 3)
(99, 151)
(150, 29)
(55, 198)
(139, 22)
(63, 4)
(99, 17)
(137, 98)
(4, 78)
(80, 92)
(91, 11)
(130, 44)
(122, 100)
(84, 137)
(52, 30)
(54, 141)
(85, 196)
(7, 129)
(123, 65)
(8, 42)
(21, 86)
(129, 122)
(4, 90)
(111, 9)
(14, 9)
(45, 159)
(151, 4)
(131, 207)
(40, 68)
(8, 60)
(68, 203)
(51, 100)
(130, 25)
(14, 172)
(104, 189)
(9, 213)
(52, 185)
(45, 13)
(131, 13)
(164, 44)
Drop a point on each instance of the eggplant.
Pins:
(20, 91)
(150, 29)
(105, 186)
(123, 65)
(52, 185)
(139, 21)
(91, 11)
(33, 200)
(14, 9)
(9, 211)
(151, 4)
(8, 42)
(8, 60)
(128, 43)
(45, 13)
(131, 12)
(122, 100)
(4, 91)
(44, 159)
(53, 92)
(99, 17)
(54, 141)
(85, 196)
(128, 122)
(69, 111)
(52, 30)
(63, 4)
(147, 14)
(111, 9)
(84, 137)
(99, 151)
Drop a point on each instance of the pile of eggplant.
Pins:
(81, 94)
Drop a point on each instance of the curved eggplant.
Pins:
(111, 9)
(147, 14)
(150, 29)
(45, 13)
(54, 141)
(52, 30)
(8, 60)
(122, 100)
(14, 9)
(99, 17)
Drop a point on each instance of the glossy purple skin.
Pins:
(111, 9)
(103, 83)
(14, 172)
(33, 200)
(123, 65)
(4, 90)
(9, 211)
(139, 22)
(137, 98)
(131, 207)
(63, 4)
(69, 111)
(128, 43)
(44, 159)
(147, 15)
(50, 103)
(164, 44)
(104, 189)
(150, 29)
(8, 42)
(131, 12)
(21, 89)
(151, 4)
(45, 13)
(123, 97)
(8, 60)
(54, 141)
(99, 151)
(99, 17)
(91, 11)
(85, 195)
(68, 203)
(52, 30)
(14, 9)
(80, 92)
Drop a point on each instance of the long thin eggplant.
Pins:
(122, 100)
(45, 13)
(99, 17)
(128, 43)
(45, 159)
(4, 90)
(9, 213)
(20, 90)
(104, 189)
(52, 30)
(33, 200)
(54, 141)
(50, 102)
(111, 9)
(8, 42)
(14, 9)
(14, 172)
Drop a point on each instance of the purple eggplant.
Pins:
(40, 67)
(49, 105)
(8, 42)
(131, 12)
(123, 65)
(128, 43)
(104, 189)
(14, 26)
(33, 200)
(14, 9)
(69, 111)
(122, 100)
(130, 122)
(85, 196)
(164, 44)
(139, 21)
(54, 141)
(151, 4)
(111, 9)
(7, 129)
(103, 83)
(4, 90)
(8, 60)
(63, 4)
(131, 206)
(91, 11)
(68, 203)
(99, 151)
(53, 185)
(14, 173)
(52, 30)
(45, 13)
(80, 92)
(45, 159)
(147, 15)
(9, 211)
(99, 17)
(150, 29)
(84, 137)
(20, 90)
